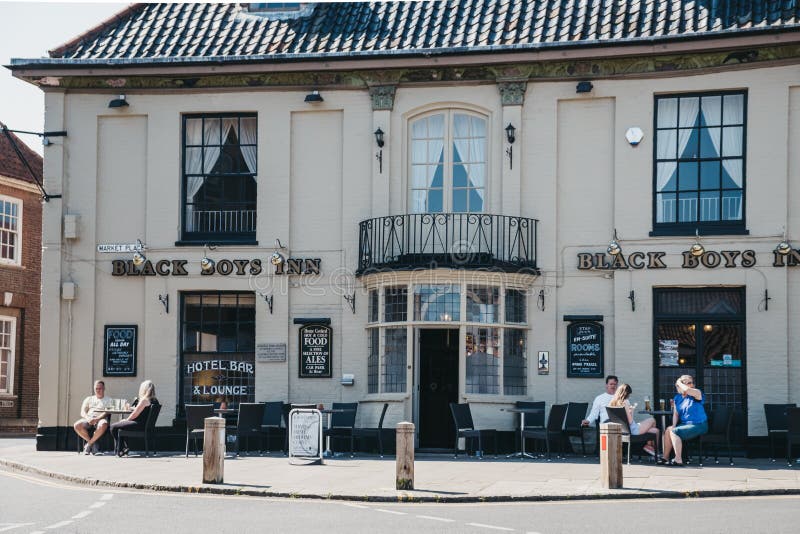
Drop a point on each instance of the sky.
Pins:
(27, 30)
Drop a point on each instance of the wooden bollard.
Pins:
(405, 456)
(213, 450)
(611, 455)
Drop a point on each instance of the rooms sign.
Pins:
(709, 259)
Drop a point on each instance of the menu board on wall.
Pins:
(585, 350)
(315, 351)
(119, 355)
(668, 352)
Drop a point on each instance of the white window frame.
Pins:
(447, 164)
(9, 389)
(412, 325)
(17, 259)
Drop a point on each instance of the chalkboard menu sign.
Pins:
(585, 350)
(119, 357)
(315, 351)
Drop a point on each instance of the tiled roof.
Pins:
(10, 164)
(187, 32)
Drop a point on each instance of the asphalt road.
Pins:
(30, 504)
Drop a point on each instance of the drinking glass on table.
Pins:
(661, 404)
(647, 403)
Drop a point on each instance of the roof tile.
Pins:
(198, 31)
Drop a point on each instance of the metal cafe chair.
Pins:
(573, 422)
(553, 430)
(777, 423)
(719, 431)
(465, 428)
(376, 433)
(343, 422)
(271, 422)
(248, 423)
(147, 433)
(792, 432)
(532, 420)
(195, 423)
(619, 416)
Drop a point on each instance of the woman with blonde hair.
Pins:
(689, 419)
(620, 400)
(138, 418)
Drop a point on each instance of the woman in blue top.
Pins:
(689, 419)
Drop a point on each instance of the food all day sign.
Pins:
(315, 351)
(585, 350)
(119, 355)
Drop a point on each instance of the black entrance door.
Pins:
(438, 386)
(700, 332)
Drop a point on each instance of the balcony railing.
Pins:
(230, 221)
(450, 240)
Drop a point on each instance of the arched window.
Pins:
(448, 163)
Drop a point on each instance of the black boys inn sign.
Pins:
(709, 259)
(224, 267)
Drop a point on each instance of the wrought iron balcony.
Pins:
(450, 240)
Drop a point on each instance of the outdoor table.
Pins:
(119, 412)
(662, 414)
(522, 411)
(330, 411)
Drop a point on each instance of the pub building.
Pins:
(418, 203)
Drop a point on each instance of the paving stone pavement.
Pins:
(437, 477)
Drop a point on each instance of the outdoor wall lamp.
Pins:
(613, 247)
(268, 299)
(584, 87)
(351, 300)
(119, 102)
(277, 258)
(379, 142)
(783, 247)
(207, 264)
(314, 97)
(697, 249)
(138, 256)
(164, 299)
(510, 137)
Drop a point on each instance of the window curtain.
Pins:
(194, 165)
(713, 116)
(247, 136)
(469, 142)
(734, 114)
(667, 143)
(687, 120)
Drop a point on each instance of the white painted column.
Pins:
(382, 105)
(512, 97)
(53, 392)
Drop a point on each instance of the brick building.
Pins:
(20, 285)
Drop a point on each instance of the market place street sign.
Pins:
(655, 260)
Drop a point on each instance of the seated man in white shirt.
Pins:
(601, 401)
(93, 416)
